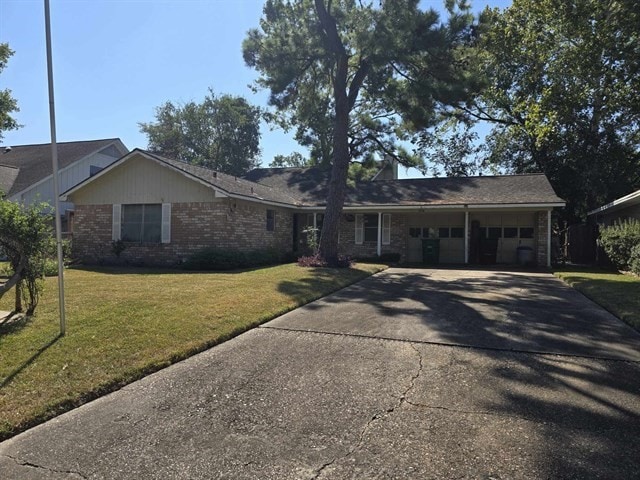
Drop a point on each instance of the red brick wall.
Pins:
(369, 249)
(227, 224)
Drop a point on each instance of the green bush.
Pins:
(634, 259)
(619, 240)
(217, 259)
(387, 257)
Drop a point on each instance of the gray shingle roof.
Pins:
(309, 187)
(34, 161)
(8, 175)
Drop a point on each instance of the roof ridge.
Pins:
(59, 143)
(453, 177)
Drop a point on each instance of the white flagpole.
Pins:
(54, 161)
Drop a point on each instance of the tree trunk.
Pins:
(338, 183)
(18, 307)
(340, 167)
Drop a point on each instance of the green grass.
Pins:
(618, 293)
(124, 324)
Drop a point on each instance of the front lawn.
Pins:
(618, 293)
(125, 323)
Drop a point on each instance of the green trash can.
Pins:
(430, 251)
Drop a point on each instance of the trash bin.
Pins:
(525, 255)
(430, 251)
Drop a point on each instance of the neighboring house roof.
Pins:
(8, 175)
(307, 187)
(34, 161)
(619, 203)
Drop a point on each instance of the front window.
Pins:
(371, 228)
(141, 223)
(271, 220)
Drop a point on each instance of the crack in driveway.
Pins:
(41, 467)
(361, 439)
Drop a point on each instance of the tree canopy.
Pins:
(355, 80)
(563, 96)
(222, 133)
(8, 104)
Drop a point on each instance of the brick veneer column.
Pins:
(541, 238)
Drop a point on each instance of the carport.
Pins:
(467, 220)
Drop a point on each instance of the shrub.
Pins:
(217, 259)
(618, 240)
(388, 257)
(634, 259)
(317, 261)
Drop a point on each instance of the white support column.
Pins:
(379, 250)
(548, 238)
(315, 222)
(466, 236)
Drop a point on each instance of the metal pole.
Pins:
(54, 161)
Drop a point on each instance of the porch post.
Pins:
(314, 221)
(548, 238)
(379, 250)
(466, 236)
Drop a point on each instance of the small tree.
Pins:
(25, 237)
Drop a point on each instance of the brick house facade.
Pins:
(164, 211)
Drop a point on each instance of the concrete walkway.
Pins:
(408, 374)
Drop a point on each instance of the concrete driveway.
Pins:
(408, 374)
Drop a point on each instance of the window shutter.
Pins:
(386, 228)
(116, 223)
(165, 235)
(359, 229)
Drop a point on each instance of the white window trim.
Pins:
(359, 225)
(386, 229)
(165, 228)
(116, 229)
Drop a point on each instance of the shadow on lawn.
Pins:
(587, 410)
(136, 270)
(29, 361)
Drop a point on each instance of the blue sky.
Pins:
(116, 60)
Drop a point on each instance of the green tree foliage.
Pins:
(26, 239)
(355, 80)
(294, 159)
(563, 95)
(8, 104)
(221, 133)
(619, 241)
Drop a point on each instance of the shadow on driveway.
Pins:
(545, 372)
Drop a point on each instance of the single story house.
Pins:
(621, 209)
(26, 170)
(165, 210)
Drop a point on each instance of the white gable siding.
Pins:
(140, 180)
(69, 177)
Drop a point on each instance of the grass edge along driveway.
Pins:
(123, 324)
(615, 292)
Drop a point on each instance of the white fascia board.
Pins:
(424, 207)
(262, 201)
(61, 170)
(619, 202)
(538, 206)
